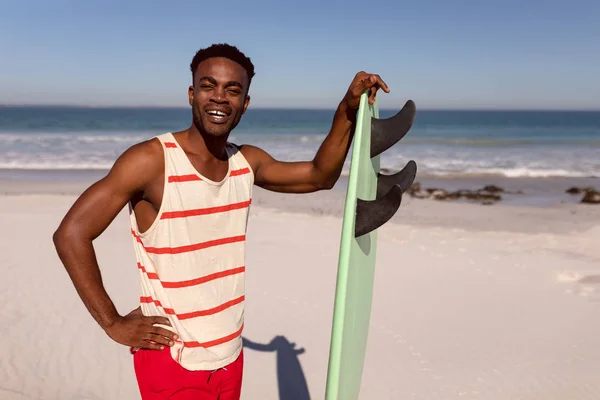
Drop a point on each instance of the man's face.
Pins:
(218, 96)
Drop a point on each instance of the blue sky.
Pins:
(442, 54)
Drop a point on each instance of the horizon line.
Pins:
(306, 108)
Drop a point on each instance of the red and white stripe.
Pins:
(192, 259)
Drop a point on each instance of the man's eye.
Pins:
(205, 86)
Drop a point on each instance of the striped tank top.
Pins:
(191, 260)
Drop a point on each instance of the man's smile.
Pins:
(217, 116)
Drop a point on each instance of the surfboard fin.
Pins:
(371, 214)
(403, 178)
(387, 132)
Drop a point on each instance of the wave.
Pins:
(522, 172)
(519, 173)
(487, 142)
(441, 170)
(434, 156)
(8, 138)
(311, 138)
(55, 166)
(507, 173)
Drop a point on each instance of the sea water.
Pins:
(444, 143)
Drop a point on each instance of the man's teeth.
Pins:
(217, 113)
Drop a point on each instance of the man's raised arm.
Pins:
(324, 170)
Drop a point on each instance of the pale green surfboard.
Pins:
(371, 200)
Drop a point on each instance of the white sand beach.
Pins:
(471, 302)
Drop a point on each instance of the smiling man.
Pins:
(189, 194)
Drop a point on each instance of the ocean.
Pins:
(508, 144)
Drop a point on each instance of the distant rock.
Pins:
(454, 195)
(482, 196)
(487, 195)
(415, 191)
(493, 189)
(576, 190)
(439, 194)
(591, 197)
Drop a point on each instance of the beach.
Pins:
(471, 301)
(479, 294)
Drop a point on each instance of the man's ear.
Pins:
(246, 103)
(191, 94)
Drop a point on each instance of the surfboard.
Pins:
(372, 198)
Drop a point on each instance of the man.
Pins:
(188, 194)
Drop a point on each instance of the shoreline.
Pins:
(464, 216)
(532, 192)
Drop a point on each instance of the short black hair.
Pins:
(226, 51)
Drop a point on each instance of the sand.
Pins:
(471, 301)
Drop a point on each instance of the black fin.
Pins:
(371, 214)
(403, 178)
(387, 132)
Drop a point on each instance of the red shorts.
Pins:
(161, 377)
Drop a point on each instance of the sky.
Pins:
(526, 54)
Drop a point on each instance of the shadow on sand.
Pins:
(290, 377)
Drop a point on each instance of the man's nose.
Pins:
(219, 95)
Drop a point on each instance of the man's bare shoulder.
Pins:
(143, 160)
(148, 150)
(252, 153)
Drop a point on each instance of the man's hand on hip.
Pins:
(138, 330)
